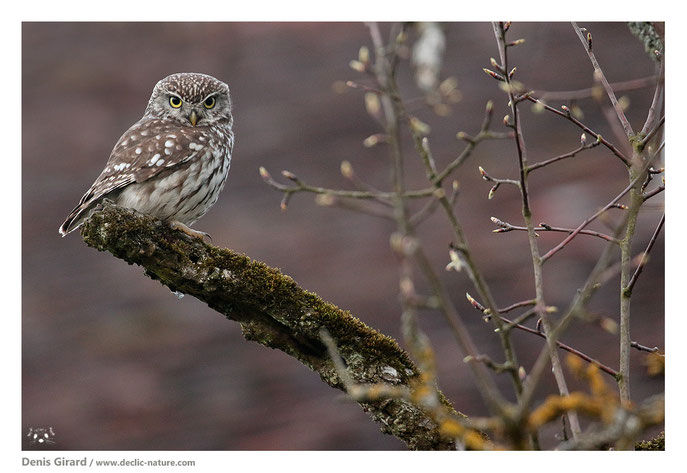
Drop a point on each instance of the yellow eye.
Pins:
(209, 102)
(175, 101)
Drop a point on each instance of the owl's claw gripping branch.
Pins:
(272, 310)
(189, 231)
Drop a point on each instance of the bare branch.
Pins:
(645, 257)
(505, 227)
(653, 192)
(586, 222)
(654, 130)
(300, 186)
(598, 73)
(568, 348)
(571, 154)
(537, 261)
(567, 115)
(622, 86)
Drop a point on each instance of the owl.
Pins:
(172, 163)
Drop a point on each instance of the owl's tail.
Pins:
(76, 218)
(70, 224)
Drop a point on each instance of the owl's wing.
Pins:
(146, 149)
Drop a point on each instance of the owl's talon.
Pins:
(189, 231)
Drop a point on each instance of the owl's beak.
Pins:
(193, 118)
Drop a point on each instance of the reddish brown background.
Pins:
(113, 361)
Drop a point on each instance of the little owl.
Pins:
(172, 163)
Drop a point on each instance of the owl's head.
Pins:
(191, 99)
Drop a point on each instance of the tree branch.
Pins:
(598, 74)
(272, 310)
(537, 261)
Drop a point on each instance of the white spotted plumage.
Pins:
(172, 163)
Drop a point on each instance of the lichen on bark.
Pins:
(272, 310)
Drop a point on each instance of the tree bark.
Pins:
(272, 310)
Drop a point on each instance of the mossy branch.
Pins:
(652, 40)
(272, 310)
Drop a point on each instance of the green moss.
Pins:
(656, 444)
(208, 267)
(637, 143)
(648, 35)
(272, 310)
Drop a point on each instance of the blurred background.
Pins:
(114, 361)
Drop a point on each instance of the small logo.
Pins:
(41, 436)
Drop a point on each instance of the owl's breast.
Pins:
(186, 191)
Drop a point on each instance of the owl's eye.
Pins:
(175, 101)
(209, 102)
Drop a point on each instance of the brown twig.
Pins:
(568, 348)
(621, 86)
(300, 186)
(653, 131)
(500, 34)
(571, 154)
(567, 115)
(517, 305)
(391, 106)
(517, 323)
(577, 305)
(505, 227)
(587, 42)
(648, 195)
(645, 257)
(589, 220)
(644, 348)
(422, 147)
(655, 107)
(356, 205)
(638, 171)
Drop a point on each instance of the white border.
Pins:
(351, 10)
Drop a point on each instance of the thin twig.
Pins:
(391, 105)
(300, 186)
(467, 152)
(422, 147)
(567, 115)
(490, 178)
(517, 324)
(648, 195)
(637, 199)
(622, 86)
(577, 305)
(589, 220)
(656, 105)
(357, 205)
(500, 33)
(654, 130)
(644, 348)
(616, 127)
(645, 257)
(517, 305)
(571, 154)
(587, 42)
(519, 320)
(563, 346)
(505, 227)
(348, 172)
